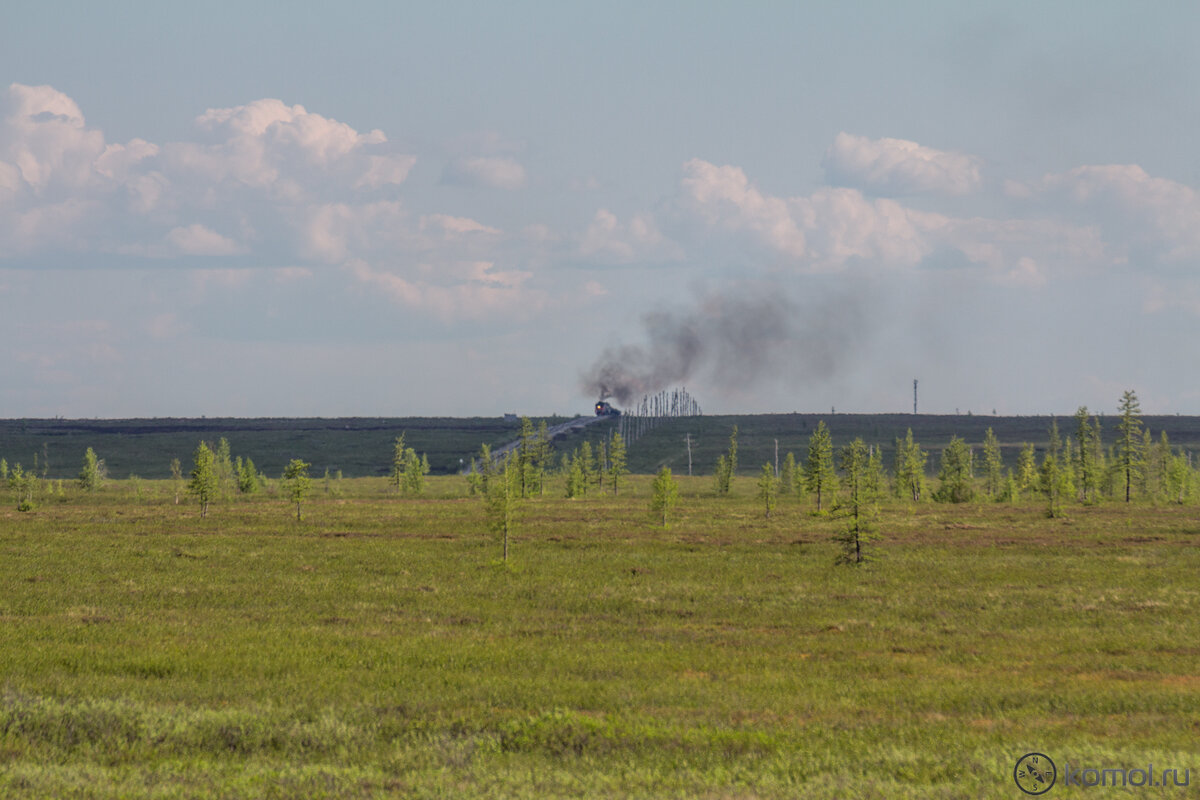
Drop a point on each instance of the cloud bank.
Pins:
(899, 167)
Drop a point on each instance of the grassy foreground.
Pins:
(379, 649)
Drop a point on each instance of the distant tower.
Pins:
(914, 395)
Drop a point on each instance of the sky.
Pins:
(466, 209)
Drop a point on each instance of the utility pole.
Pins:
(688, 439)
(914, 396)
(776, 458)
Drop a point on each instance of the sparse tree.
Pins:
(526, 459)
(1158, 468)
(473, 479)
(89, 475)
(664, 495)
(415, 469)
(721, 475)
(601, 465)
(1026, 475)
(1086, 461)
(768, 489)
(910, 468)
(993, 465)
(1051, 485)
(3, 469)
(858, 505)
(787, 474)
(576, 485)
(587, 466)
(820, 478)
(1129, 441)
(543, 452)
(955, 476)
(25, 485)
(1066, 480)
(874, 477)
(504, 492)
(297, 483)
(487, 468)
(204, 477)
(223, 466)
(733, 453)
(247, 476)
(1180, 479)
(617, 469)
(176, 478)
(727, 465)
(399, 462)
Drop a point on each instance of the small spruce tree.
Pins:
(1129, 442)
(993, 465)
(297, 483)
(768, 489)
(504, 492)
(820, 479)
(664, 495)
(204, 477)
(617, 468)
(787, 474)
(399, 462)
(176, 478)
(1026, 476)
(248, 479)
(955, 476)
(857, 507)
(89, 475)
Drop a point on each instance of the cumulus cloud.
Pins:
(835, 227)
(485, 292)
(638, 239)
(723, 196)
(899, 167)
(45, 139)
(197, 240)
(496, 172)
(1140, 215)
(451, 227)
(286, 151)
(277, 181)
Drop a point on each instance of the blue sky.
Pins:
(387, 209)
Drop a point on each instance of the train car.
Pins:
(605, 409)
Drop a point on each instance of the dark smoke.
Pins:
(731, 339)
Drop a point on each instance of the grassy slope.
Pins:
(363, 446)
(379, 649)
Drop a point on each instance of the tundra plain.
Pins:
(380, 648)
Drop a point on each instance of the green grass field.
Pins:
(379, 648)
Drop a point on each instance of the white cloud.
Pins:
(44, 137)
(385, 170)
(454, 226)
(1151, 217)
(497, 172)
(899, 167)
(286, 151)
(834, 227)
(486, 292)
(639, 239)
(197, 240)
(724, 197)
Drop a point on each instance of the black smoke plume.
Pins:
(731, 339)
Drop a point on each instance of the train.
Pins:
(606, 409)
